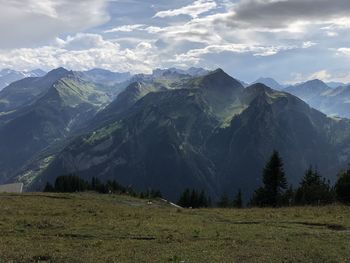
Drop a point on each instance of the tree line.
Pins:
(275, 191)
(312, 190)
(72, 183)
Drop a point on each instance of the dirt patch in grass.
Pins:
(334, 227)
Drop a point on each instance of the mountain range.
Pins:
(331, 101)
(331, 98)
(270, 82)
(37, 112)
(168, 130)
(7, 76)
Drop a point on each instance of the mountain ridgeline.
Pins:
(43, 111)
(7, 76)
(331, 101)
(205, 132)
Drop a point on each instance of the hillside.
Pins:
(25, 91)
(8, 76)
(209, 134)
(61, 108)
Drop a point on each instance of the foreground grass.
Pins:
(102, 228)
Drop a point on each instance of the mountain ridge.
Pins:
(170, 139)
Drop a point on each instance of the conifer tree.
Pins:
(342, 187)
(193, 198)
(203, 200)
(274, 183)
(185, 199)
(314, 189)
(49, 188)
(224, 201)
(237, 201)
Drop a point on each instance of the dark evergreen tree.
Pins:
(342, 187)
(70, 183)
(156, 194)
(185, 199)
(288, 198)
(314, 190)
(49, 188)
(193, 198)
(203, 200)
(259, 198)
(237, 201)
(274, 181)
(224, 201)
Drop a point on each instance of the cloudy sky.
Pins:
(289, 40)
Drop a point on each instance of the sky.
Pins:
(289, 40)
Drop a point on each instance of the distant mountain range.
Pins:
(331, 98)
(102, 76)
(270, 82)
(331, 101)
(7, 76)
(334, 84)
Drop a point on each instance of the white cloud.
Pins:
(235, 34)
(29, 22)
(279, 14)
(332, 33)
(125, 28)
(80, 52)
(194, 10)
(344, 50)
(322, 75)
(308, 44)
(196, 55)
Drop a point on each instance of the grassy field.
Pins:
(102, 228)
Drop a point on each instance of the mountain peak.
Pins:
(59, 72)
(270, 82)
(259, 86)
(218, 71)
(314, 83)
(219, 79)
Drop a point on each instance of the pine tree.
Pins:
(194, 199)
(314, 189)
(288, 198)
(185, 199)
(342, 187)
(274, 181)
(224, 201)
(203, 200)
(49, 188)
(238, 202)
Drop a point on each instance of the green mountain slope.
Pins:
(25, 91)
(210, 134)
(66, 105)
